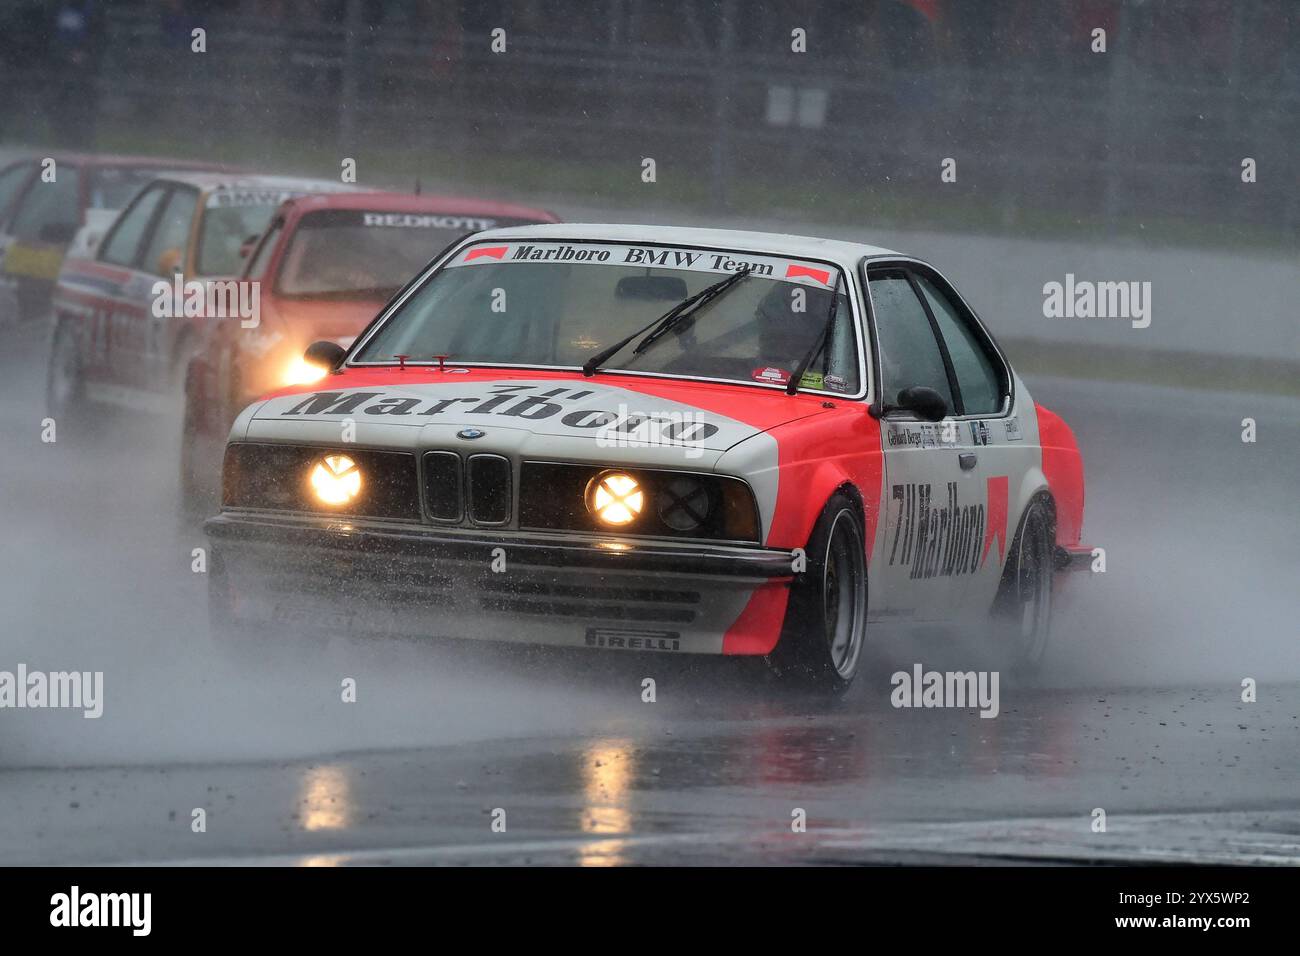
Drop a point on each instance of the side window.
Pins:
(909, 354)
(11, 183)
(50, 212)
(123, 242)
(977, 377)
(172, 234)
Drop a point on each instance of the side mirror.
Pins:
(921, 400)
(325, 353)
(169, 262)
(924, 402)
(248, 245)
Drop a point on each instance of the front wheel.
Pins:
(826, 623)
(199, 479)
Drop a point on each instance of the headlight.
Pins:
(615, 498)
(269, 476)
(683, 504)
(336, 480)
(561, 496)
(301, 372)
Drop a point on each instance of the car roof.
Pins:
(148, 162)
(214, 181)
(409, 202)
(796, 247)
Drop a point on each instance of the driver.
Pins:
(785, 335)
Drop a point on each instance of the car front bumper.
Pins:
(400, 578)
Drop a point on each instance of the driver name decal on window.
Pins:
(410, 220)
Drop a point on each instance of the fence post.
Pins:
(348, 81)
(722, 104)
(1118, 127)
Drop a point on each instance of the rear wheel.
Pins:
(826, 624)
(65, 384)
(1023, 611)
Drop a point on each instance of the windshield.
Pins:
(112, 187)
(234, 216)
(559, 303)
(352, 252)
(223, 234)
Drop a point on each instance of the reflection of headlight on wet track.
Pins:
(608, 771)
(325, 799)
(301, 372)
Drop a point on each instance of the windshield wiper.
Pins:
(689, 308)
(666, 322)
(792, 386)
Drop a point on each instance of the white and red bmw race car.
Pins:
(651, 438)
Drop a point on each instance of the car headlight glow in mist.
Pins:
(336, 480)
(615, 498)
(302, 372)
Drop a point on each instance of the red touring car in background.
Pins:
(325, 266)
(678, 440)
(42, 207)
(112, 343)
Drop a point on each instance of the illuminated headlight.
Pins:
(615, 498)
(684, 504)
(336, 480)
(301, 372)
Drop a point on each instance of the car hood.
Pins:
(659, 415)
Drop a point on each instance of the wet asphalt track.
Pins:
(1138, 711)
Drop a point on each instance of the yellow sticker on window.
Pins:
(33, 263)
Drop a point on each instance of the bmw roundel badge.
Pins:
(469, 434)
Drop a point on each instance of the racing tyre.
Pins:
(826, 624)
(189, 488)
(65, 385)
(1023, 610)
(199, 495)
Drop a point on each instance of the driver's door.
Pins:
(121, 311)
(929, 514)
(164, 257)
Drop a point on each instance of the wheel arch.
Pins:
(1062, 472)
